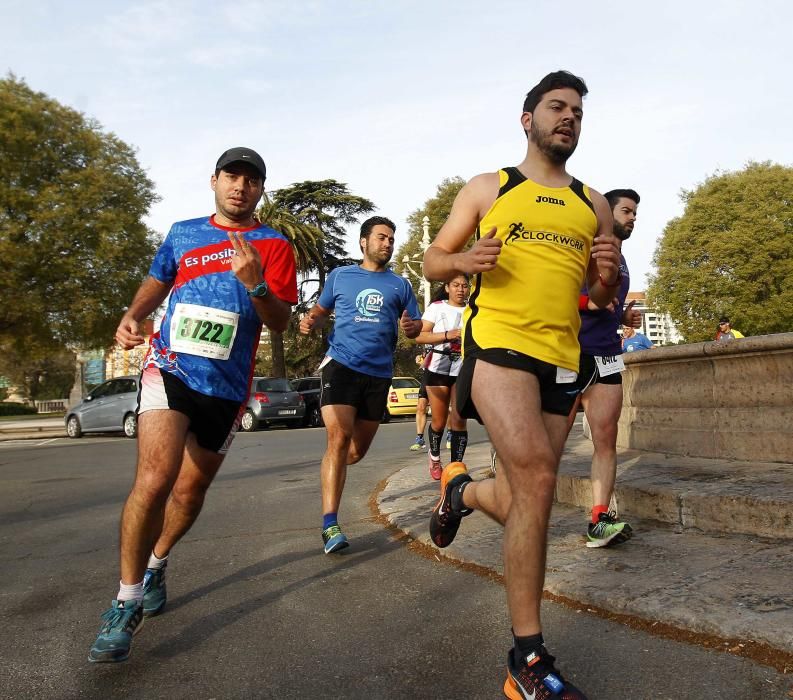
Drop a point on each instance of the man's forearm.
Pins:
(149, 296)
(440, 265)
(273, 312)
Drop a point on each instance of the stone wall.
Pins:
(731, 400)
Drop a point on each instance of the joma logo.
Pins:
(549, 200)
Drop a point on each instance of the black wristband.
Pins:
(445, 336)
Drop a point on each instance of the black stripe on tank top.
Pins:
(578, 187)
(470, 344)
(514, 178)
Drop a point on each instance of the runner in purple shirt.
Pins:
(600, 381)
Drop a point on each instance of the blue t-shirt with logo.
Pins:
(636, 342)
(210, 331)
(368, 306)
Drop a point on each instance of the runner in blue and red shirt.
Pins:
(600, 379)
(226, 274)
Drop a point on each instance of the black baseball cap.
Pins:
(240, 154)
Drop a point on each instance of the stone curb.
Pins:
(728, 586)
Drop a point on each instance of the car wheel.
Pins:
(248, 422)
(73, 428)
(131, 425)
(386, 417)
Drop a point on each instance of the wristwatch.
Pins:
(260, 290)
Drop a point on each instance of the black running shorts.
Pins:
(438, 379)
(342, 385)
(213, 420)
(588, 374)
(556, 398)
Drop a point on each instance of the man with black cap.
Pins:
(227, 274)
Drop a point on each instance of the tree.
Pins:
(307, 241)
(329, 206)
(731, 252)
(72, 240)
(437, 208)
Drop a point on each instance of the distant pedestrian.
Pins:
(421, 407)
(725, 331)
(632, 340)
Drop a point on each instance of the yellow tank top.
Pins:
(529, 302)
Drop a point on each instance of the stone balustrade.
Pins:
(727, 400)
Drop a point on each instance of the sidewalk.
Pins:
(700, 561)
(34, 428)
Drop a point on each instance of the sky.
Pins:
(393, 97)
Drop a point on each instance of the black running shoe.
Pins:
(444, 521)
(536, 678)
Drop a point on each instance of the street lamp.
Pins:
(418, 259)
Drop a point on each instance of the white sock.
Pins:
(155, 563)
(132, 591)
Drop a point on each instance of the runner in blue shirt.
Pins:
(371, 304)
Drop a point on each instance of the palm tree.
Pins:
(307, 242)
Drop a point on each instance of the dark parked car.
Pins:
(310, 389)
(272, 401)
(109, 408)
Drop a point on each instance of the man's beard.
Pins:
(621, 232)
(557, 153)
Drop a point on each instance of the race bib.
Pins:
(204, 331)
(565, 376)
(609, 364)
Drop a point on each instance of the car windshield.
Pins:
(273, 385)
(405, 383)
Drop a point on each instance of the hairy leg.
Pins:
(602, 406)
(509, 402)
(161, 441)
(199, 467)
(339, 425)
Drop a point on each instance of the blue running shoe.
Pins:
(419, 444)
(120, 622)
(334, 539)
(154, 593)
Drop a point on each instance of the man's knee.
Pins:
(189, 494)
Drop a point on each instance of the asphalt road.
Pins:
(256, 610)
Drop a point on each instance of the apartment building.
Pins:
(658, 327)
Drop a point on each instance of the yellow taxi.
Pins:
(403, 397)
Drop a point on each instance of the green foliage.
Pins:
(11, 408)
(41, 372)
(730, 253)
(306, 238)
(329, 206)
(437, 208)
(72, 240)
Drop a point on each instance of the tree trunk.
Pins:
(279, 362)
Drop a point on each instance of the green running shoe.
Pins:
(419, 444)
(334, 539)
(154, 593)
(120, 622)
(608, 530)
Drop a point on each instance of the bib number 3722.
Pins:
(204, 331)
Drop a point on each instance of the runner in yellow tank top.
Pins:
(524, 304)
(543, 234)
